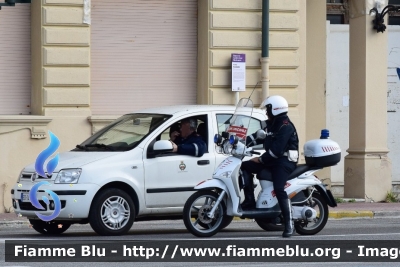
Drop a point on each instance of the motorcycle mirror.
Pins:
(261, 134)
(225, 135)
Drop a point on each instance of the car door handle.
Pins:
(203, 162)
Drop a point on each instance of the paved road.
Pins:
(383, 228)
(345, 229)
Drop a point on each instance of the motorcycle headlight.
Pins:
(68, 176)
(225, 174)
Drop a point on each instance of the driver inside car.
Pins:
(186, 141)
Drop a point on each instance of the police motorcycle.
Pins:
(217, 200)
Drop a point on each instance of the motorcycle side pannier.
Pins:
(322, 153)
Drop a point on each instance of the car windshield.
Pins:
(124, 134)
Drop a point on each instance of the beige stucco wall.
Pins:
(61, 67)
(367, 167)
(20, 149)
(315, 100)
(60, 90)
(234, 26)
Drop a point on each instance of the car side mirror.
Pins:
(163, 146)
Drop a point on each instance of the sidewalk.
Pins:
(343, 210)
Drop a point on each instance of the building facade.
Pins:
(72, 66)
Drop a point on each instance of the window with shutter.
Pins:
(15, 60)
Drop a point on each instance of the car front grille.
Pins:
(28, 175)
(29, 206)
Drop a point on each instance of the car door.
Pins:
(169, 177)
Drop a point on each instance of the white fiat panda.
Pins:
(118, 175)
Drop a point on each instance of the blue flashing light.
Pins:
(324, 134)
(232, 139)
(217, 139)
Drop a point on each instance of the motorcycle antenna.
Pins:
(253, 91)
(254, 88)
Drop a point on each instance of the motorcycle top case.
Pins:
(322, 153)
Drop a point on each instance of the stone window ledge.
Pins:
(36, 124)
(99, 122)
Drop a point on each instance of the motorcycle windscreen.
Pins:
(240, 121)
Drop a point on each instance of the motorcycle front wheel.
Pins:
(318, 203)
(195, 214)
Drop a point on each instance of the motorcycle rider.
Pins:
(279, 160)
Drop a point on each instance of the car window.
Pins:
(165, 135)
(223, 121)
(202, 130)
(126, 132)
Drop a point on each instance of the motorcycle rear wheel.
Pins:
(318, 203)
(195, 214)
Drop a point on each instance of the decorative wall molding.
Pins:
(99, 122)
(36, 124)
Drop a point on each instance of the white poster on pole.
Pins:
(238, 72)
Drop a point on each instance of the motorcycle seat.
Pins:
(265, 174)
(301, 168)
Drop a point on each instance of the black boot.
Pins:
(249, 202)
(286, 209)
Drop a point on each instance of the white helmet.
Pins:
(275, 105)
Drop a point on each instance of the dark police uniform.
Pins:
(281, 137)
(193, 145)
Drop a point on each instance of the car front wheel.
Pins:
(112, 212)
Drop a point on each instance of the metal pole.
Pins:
(265, 50)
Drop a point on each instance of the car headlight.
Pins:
(19, 176)
(68, 176)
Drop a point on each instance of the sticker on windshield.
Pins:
(240, 132)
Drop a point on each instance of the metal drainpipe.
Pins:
(265, 50)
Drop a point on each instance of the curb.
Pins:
(5, 223)
(363, 214)
(351, 214)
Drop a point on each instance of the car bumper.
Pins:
(75, 200)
